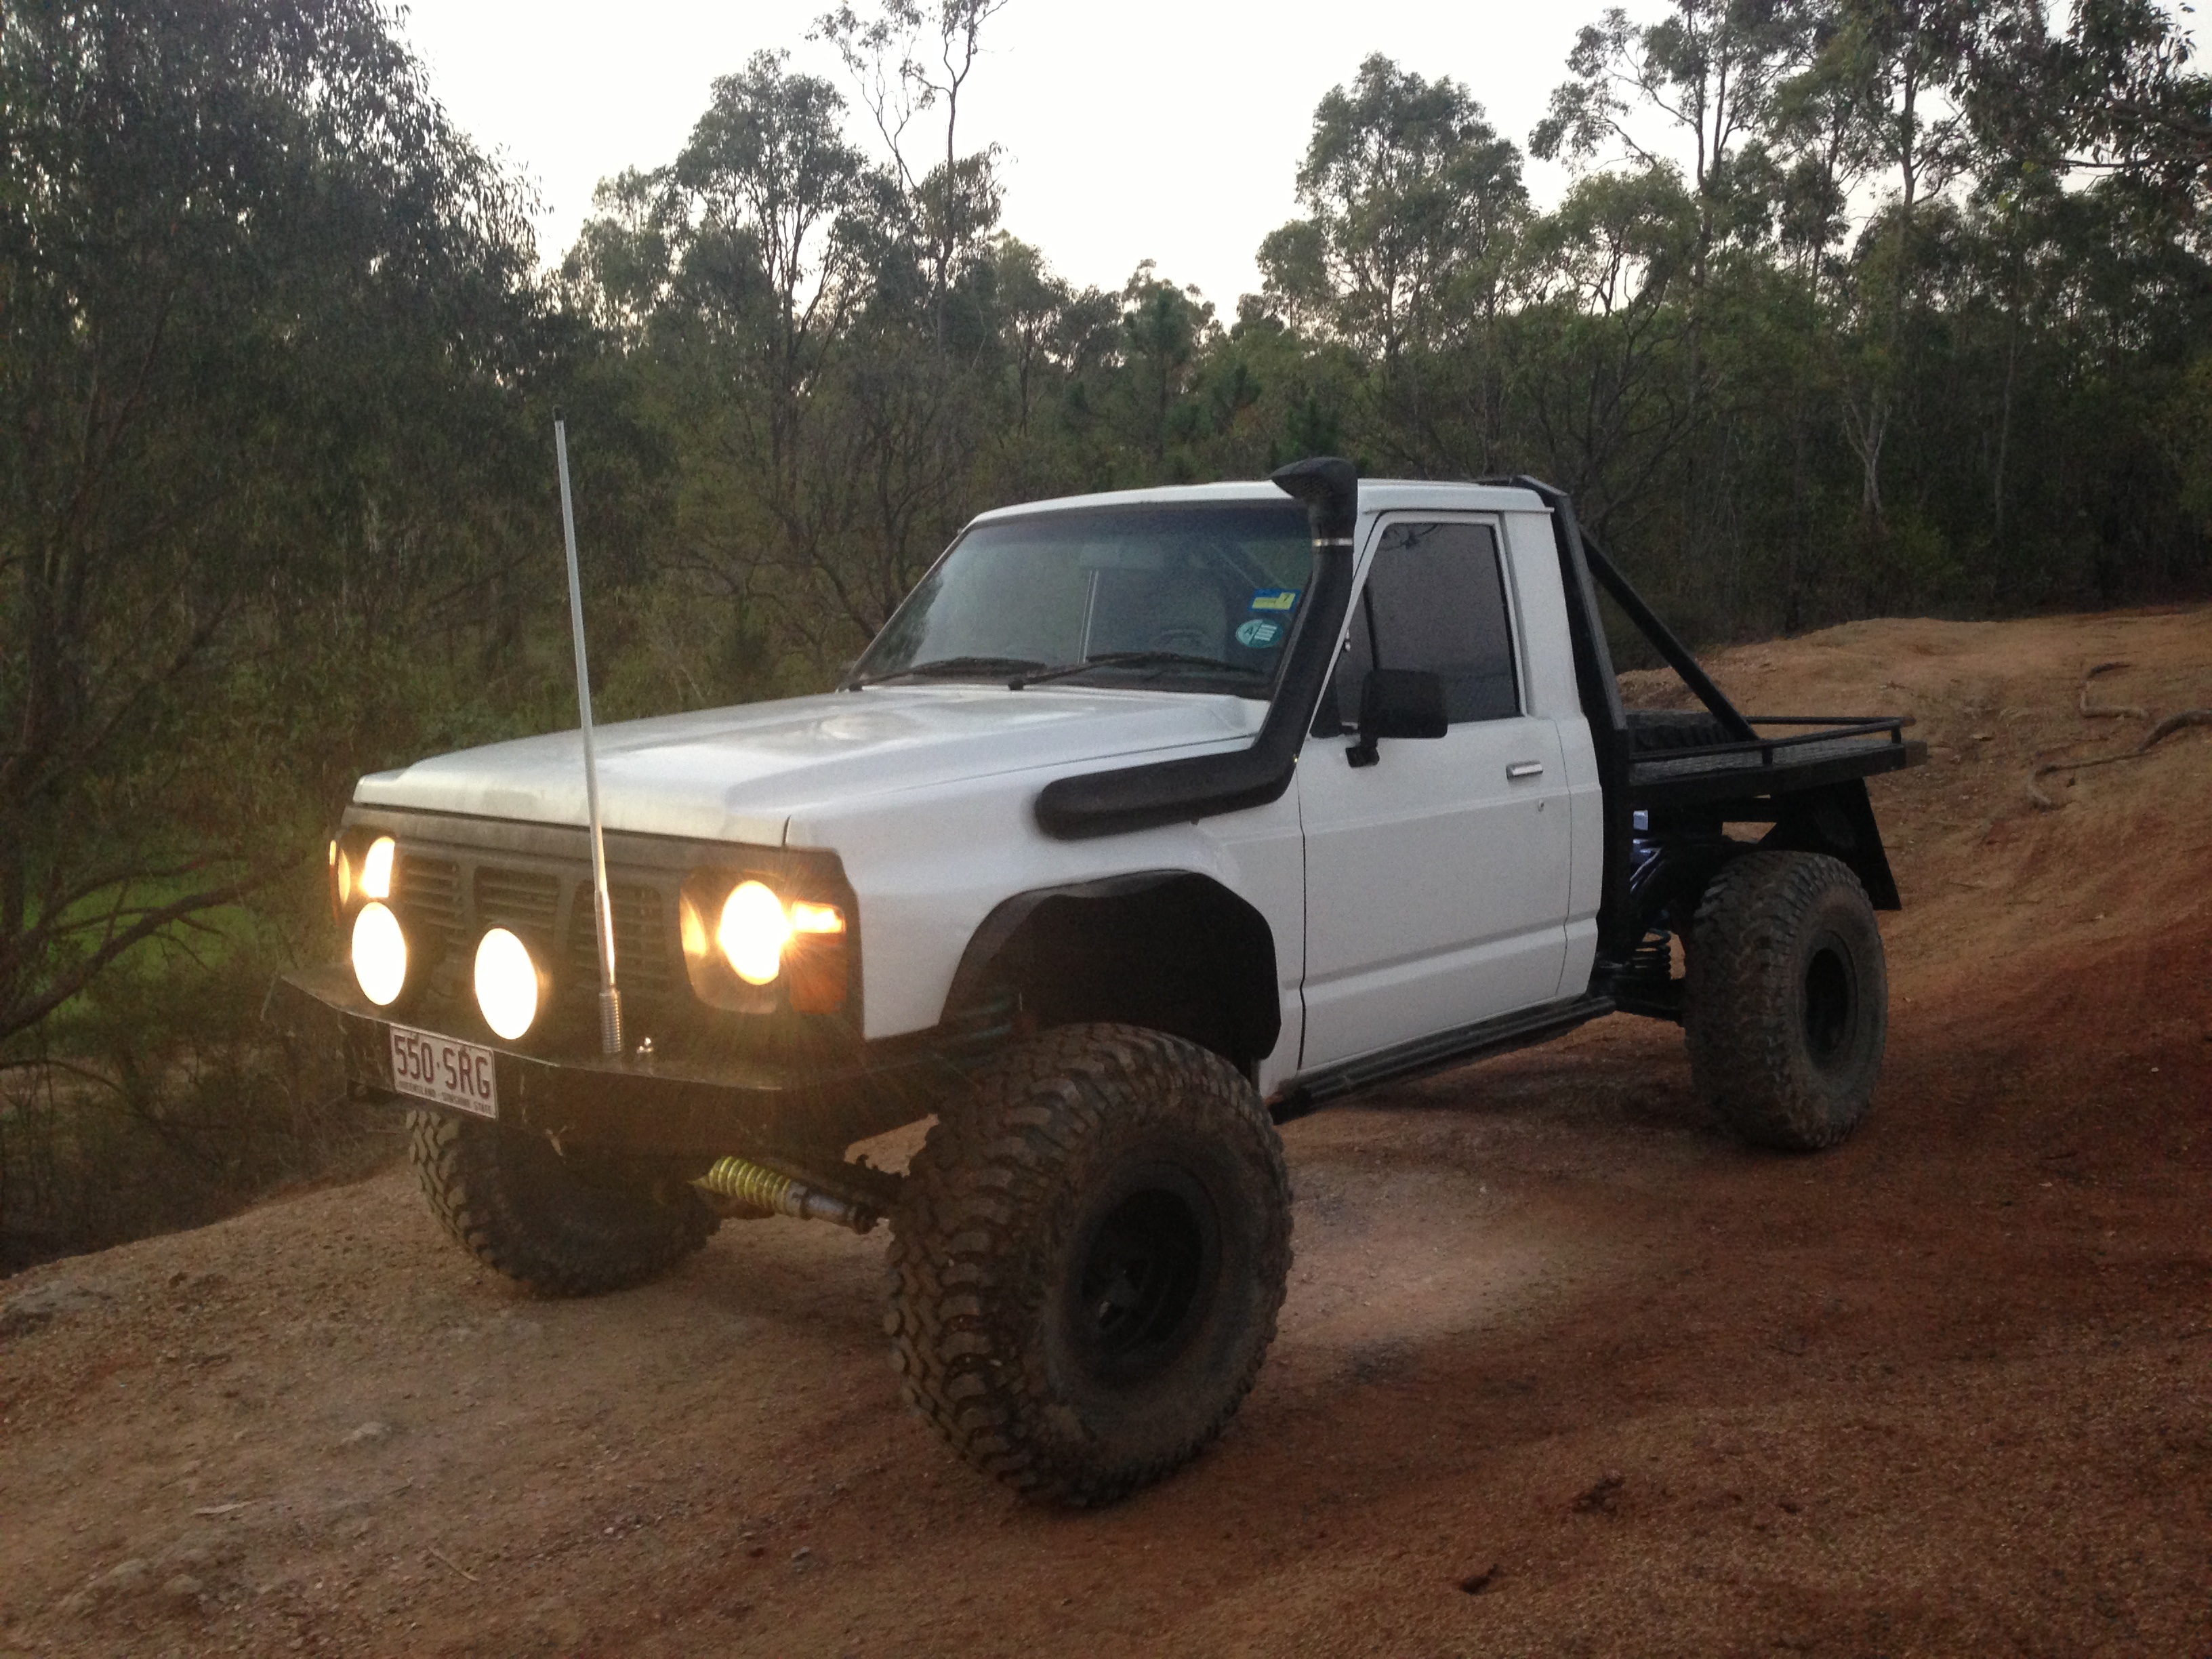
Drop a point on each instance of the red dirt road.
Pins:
(1564, 1369)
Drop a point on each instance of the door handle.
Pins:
(1525, 769)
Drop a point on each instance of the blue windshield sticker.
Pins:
(1256, 633)
(1275, 598)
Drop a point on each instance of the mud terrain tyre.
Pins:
(1787, 1003)
(1088, 1259)
(562, 1229)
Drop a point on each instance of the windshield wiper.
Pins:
(949, 667)
(1136, 659)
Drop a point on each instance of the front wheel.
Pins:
(562, 1227)
(1088, 1259)
(1787, 1001)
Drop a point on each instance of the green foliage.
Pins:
(1412, 199)
(259, 302)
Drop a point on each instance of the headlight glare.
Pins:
(507, 984)
(808, 917)
(753, 931)
(376, 868)
(753, 950)
(380, 954)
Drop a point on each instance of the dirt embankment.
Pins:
(1564, 1371)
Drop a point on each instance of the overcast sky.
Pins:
(1168, 130)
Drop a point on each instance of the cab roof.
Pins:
(1376, 496)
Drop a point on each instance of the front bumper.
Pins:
(642, 1104)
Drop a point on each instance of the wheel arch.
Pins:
(1172, 950)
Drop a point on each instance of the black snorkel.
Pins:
(1204, 786)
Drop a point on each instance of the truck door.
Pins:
(1436, 879)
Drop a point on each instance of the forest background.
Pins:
(1851, 308)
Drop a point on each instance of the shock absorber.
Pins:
(771, 1191)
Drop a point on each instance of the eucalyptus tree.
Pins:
(2113, 95)
(1411, 203)
(1596, 337)
(1030, 301)
(1411, 200)
(1693, 93)
(909, 60)
(755, 202)
(804, 322)
(1708, 70)
(1900, 71)
(617, 275)
(2118, 97)
(730, 277)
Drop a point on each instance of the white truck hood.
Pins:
(741, 774)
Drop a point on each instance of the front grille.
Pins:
(642, 967)
(526, 901)
(427, 894)
(454, 877)
(448, 903)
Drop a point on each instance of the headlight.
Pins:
(763, 951)
(376, 868)
(380, 954)
(507, 984)
(753, 931)
(362, 867)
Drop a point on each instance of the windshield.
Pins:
(1195, 598)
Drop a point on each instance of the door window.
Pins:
(1434, 599)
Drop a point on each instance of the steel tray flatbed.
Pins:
(1833, 749)
(1666, 808)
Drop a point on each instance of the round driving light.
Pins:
(753, 933)
(376, 868)
(380, 954)
(343, 865)
(506, 983)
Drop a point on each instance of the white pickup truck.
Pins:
(1150, 821)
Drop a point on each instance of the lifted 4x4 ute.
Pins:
(1151, 821)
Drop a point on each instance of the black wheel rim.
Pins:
(1831, 1002)
(1143, 1276)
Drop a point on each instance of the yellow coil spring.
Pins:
(748, 1183)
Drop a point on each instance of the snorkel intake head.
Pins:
(1329, 486)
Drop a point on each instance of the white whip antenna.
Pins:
(610, 1032)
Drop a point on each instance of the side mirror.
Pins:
(1398, 702)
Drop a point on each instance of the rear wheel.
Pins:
(564, 1227)
(1787, 1000)
(1088, 1259)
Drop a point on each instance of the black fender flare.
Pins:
(1259, 1017)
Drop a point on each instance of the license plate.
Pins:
(440, 1069)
